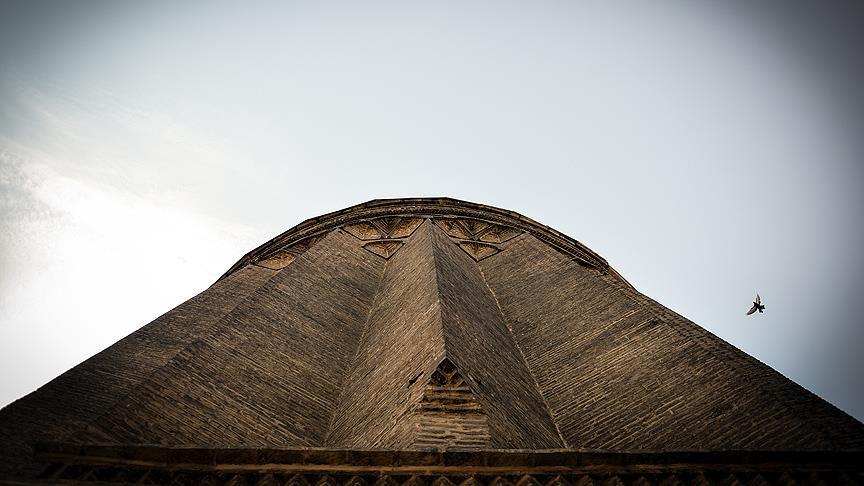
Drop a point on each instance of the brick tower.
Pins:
(424, 341)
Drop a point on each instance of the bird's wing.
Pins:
(752, 310)
(758, 299)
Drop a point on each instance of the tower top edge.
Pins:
(428, 207)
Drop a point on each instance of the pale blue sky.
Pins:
(706, 149)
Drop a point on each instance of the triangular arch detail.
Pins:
(449, 415)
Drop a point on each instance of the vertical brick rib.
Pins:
(401, 346)
(433, 303)
(481, 346)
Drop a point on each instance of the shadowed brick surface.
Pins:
(619, 372)
(270, 371)
(80, 395)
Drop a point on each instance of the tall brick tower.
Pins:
(424, 341)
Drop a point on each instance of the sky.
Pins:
(707, 150)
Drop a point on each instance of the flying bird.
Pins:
(757, 305)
